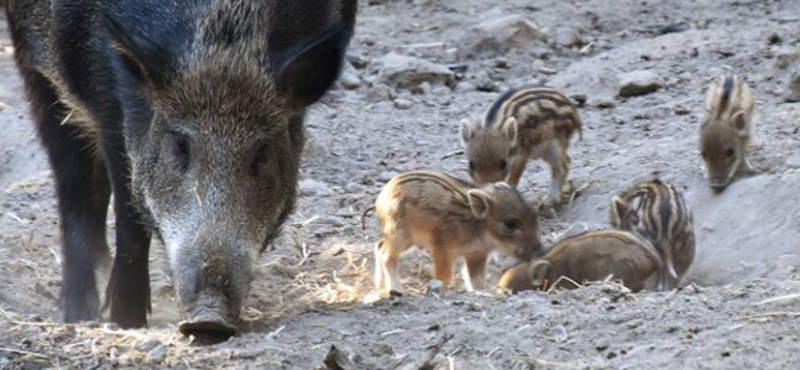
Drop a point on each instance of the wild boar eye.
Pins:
(263, 155)
(503, 165)
(703, 153)
(471, 166)
(511, 225)
(731, 152)
(180, 149)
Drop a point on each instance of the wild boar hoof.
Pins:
(207, 330)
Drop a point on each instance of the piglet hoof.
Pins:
(548, 209)
(395, 293)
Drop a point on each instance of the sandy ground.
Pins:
(739, 306)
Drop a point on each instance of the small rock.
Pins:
(601, 345)
(485, 83)
(313, 187)
(386, 176)
(146, 346)
(793, 91)
(403, 104)
(639, 83)
(156, 354)
(603, 103)
(501, 62)
(331, 220)
(436, 287)
(542, 67)
(368, 40)
(785, 57)
(357, 61)
(353, 187)
(568, 37)
(422, 89)
(380, 92)
(499, 35)
(349, 80)
(464, 86)
(775, 38)
(441, 91)
(682, 110)
(580, 99)
(406, 72)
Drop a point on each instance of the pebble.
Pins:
(465, 86)
(499, 35)
(313, 187)
(639, 83)
(386, 176)
(436, 287)
(380, 92)
(349, 80)
(403, 104)
(156, 354)
(406, 72)
(147, 346)
(682, 110)
(568, 37)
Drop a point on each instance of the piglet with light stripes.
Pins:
(524, 123)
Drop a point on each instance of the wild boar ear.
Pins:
(480, 203)
(145, 58)
(739, 122)
(306, 71)
(510, 130)
(538, 272)
(465, 131)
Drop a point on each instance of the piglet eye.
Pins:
(703, 153)
(731, 152)
(503, 165)
(511, 225)
(471, 166)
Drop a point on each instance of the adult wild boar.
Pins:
(191, 113)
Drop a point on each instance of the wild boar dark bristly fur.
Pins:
(191, 112)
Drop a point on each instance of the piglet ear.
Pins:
(480, 203)
(306, 71)
(538, 272)
(510, 130)
(618, 210)
(465, 131)
(739, 122)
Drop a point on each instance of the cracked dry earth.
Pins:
(310, 307)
